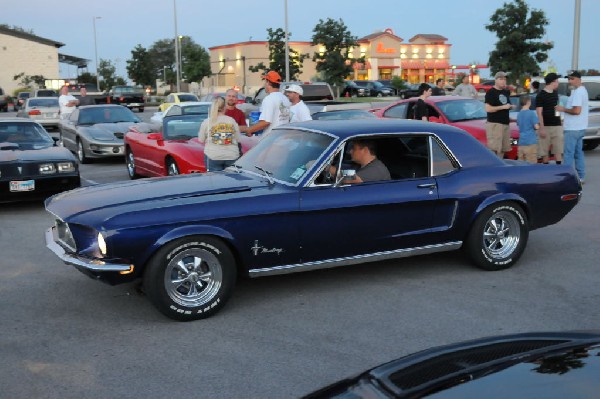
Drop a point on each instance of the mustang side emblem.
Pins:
(258, 249)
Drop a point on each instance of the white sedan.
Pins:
(192, 107)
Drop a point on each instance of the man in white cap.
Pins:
(299, 112)
(275, 107)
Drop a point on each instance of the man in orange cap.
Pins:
(275, 108)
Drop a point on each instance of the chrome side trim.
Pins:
(95, 265)
(353, 260)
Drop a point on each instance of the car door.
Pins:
(68, 131)
(368, 218)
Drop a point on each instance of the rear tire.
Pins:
(190, 278)
(498, 237)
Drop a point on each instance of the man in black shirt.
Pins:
(420, 108)
(551, 130)
(438, 90)
(497, 106)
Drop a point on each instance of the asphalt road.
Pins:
(63, 335)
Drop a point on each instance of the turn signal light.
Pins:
(34, 112)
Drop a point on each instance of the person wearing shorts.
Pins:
(551, 135)
(497, 106)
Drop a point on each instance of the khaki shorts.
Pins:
(528, 153)
(498, 137)
(554, 137)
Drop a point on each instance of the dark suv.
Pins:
(353, 89)
(3, 101)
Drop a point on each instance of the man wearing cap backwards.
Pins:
(275, 107)
(551, 130)
(576, 121)
(299, 112)
(497, 106)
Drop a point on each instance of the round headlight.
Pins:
(101, 244)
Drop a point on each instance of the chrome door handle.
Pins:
(427, 185)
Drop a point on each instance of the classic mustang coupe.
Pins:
(286, 206)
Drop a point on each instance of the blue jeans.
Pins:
(574, 151)
(216, 165)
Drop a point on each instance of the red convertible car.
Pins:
(169, 149)
(462, 112)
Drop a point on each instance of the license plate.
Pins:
(28, 185)
(49, 115)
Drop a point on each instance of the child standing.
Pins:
(528, 125)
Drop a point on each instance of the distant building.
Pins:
(22, 52)
(424, 58)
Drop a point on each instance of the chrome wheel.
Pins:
(193, 277)
(172, 168)
(501, 234)
(81, 153)
(130, 162)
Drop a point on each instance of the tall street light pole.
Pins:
(575, 59)
(177, 65)
(287, 45)
(96, 51)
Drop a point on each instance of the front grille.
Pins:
(462, 361)
(19, 170)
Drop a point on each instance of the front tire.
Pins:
(190, 278)
(81, 153)
(130, 163)
(498, 237)
(172, 168)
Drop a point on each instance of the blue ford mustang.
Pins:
(279, 210)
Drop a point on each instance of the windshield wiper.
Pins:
(237, 168)
(268, 174)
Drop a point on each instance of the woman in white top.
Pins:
(220, 135)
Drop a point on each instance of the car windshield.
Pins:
(99, 114)
(43, 102)
(196, 109)
(286, 155)
(182, 127)
(187, 97)
(378, 84)
(26, 135)
(462, 110)
(344, 114)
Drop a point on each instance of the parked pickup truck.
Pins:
(128, 96)
(318, 97)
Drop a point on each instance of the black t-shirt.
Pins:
(547, 101)
(496, 97)
(421, 110)
(374, 171)
(438, 91)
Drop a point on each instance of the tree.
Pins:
(195, 60)
(26, 80)
(277, 56)
(107, 71)
(140, 67)
(86, 77)
(162, 53)
(334, 62)
(518, 49)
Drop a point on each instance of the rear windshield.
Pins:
(43, 102)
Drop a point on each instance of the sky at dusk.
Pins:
(126, 23)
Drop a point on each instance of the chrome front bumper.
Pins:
(92, 265)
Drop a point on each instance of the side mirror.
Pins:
(346, 174)
(155, 136)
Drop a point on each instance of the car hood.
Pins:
(42, 154)
(106, 130)
(95, 205)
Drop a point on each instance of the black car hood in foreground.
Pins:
(534, 365)
(42, 154)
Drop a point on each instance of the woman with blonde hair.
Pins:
(220, 135)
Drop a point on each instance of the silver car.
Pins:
(96, 131)
(43, 110)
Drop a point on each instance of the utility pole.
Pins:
(575, 59)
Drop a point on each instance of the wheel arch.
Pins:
(499, 198)
(194, 231)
